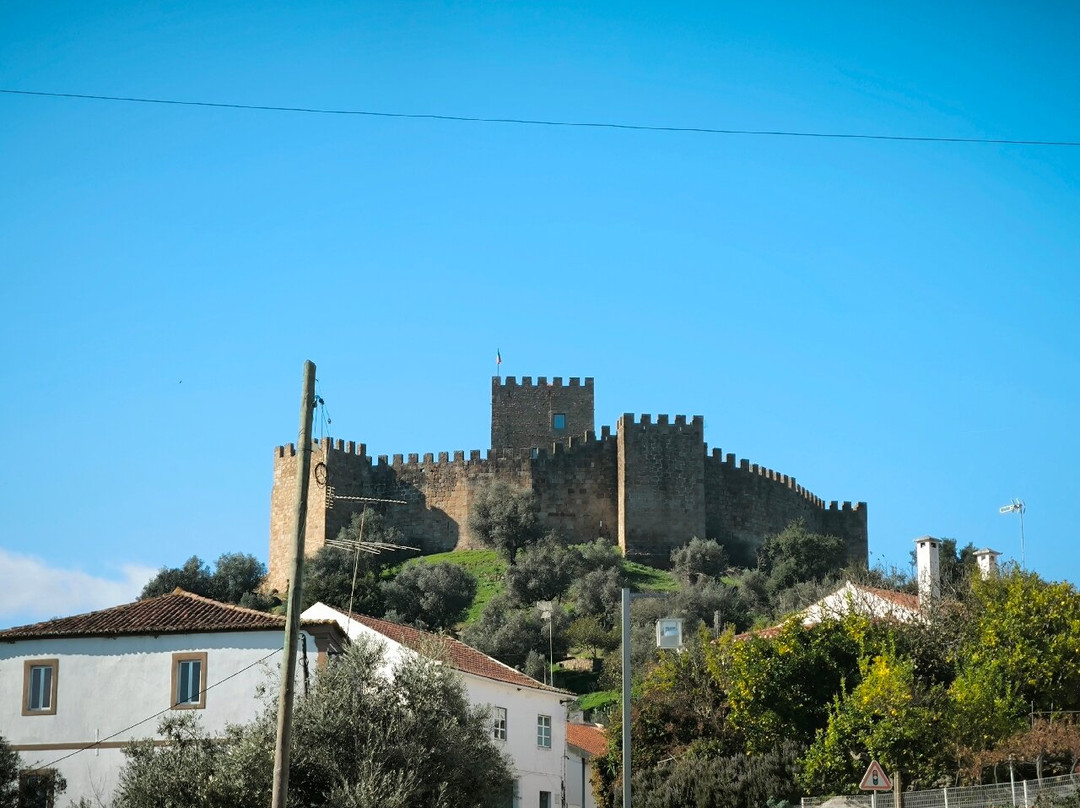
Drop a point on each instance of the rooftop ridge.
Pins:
(388, 628)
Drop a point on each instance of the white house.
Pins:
(528, 717)
(888, 604)
(74, 691)
(583, 743)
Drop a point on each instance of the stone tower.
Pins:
(535, 416)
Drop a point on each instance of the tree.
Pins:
(598, 593)
(504, 518)
(328, 578)
(237, 575)
(734, 781)
(1023, 638)
(194, 576)
(431, 596)
(237, 578)
(589, 634)
(544, 571)
(698, 559)
(9, 775)
(797, 554)
(329, 574)
(599, 555)
(509, 633)
(889, 717)
(358, 739)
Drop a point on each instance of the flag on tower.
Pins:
(498, 357)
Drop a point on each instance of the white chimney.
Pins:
(987, 560)
(927, 550)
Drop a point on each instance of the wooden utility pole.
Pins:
(292, 616)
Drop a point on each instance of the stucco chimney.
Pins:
(927, 557)
(987, 560)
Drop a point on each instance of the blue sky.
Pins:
(892, 322)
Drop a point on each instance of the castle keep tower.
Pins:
(535, 416)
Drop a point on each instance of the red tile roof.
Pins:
(457, 654)
(588, 738)
(899, 598)
(178, 612)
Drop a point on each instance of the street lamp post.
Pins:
(668, 635)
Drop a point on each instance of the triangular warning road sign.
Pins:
(875, 778)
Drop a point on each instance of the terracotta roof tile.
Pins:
(459, 655)
(178, 612)
(899, 598)
(587, 737)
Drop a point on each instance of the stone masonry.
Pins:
(652, 485)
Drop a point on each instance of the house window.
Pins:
(558, 421)
(39, 686)
(545, 799)
(189, 681)
(543, 731)
(37, 788)
(498, 720)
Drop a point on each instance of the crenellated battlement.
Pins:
(650, 482)
(542, 381)
(645, 421)
(729, 461)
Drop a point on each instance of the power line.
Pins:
(701, 130)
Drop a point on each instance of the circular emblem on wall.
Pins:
(320, 474)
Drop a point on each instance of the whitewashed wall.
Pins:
(536, 769)
(107, 684)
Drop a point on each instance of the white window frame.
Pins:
(543, 731)
(498, 723)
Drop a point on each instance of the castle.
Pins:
(649, 485)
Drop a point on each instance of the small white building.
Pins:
(74, 691)
(583, 743)
(528, 717)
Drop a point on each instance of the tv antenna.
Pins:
(1017, 506)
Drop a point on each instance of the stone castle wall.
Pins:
(745, 502)
(651, 486)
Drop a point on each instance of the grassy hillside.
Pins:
(489, 570)
(484, 564)
(649, 579)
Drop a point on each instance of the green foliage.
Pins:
(888, 717)
(485, 566)
(703, 601)
(358, 738)
(9, 774)
(508, 633)
(431, 596)
(782, 687)
(598, 593)
(589, 634)
(599, 555)
(734, 781)
(598, 700)
(699, 559)
(1025, 634)
(328, 577)
(544, 571)
(643, 578)
(796, 554)
(237, 578)
(504, 518)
